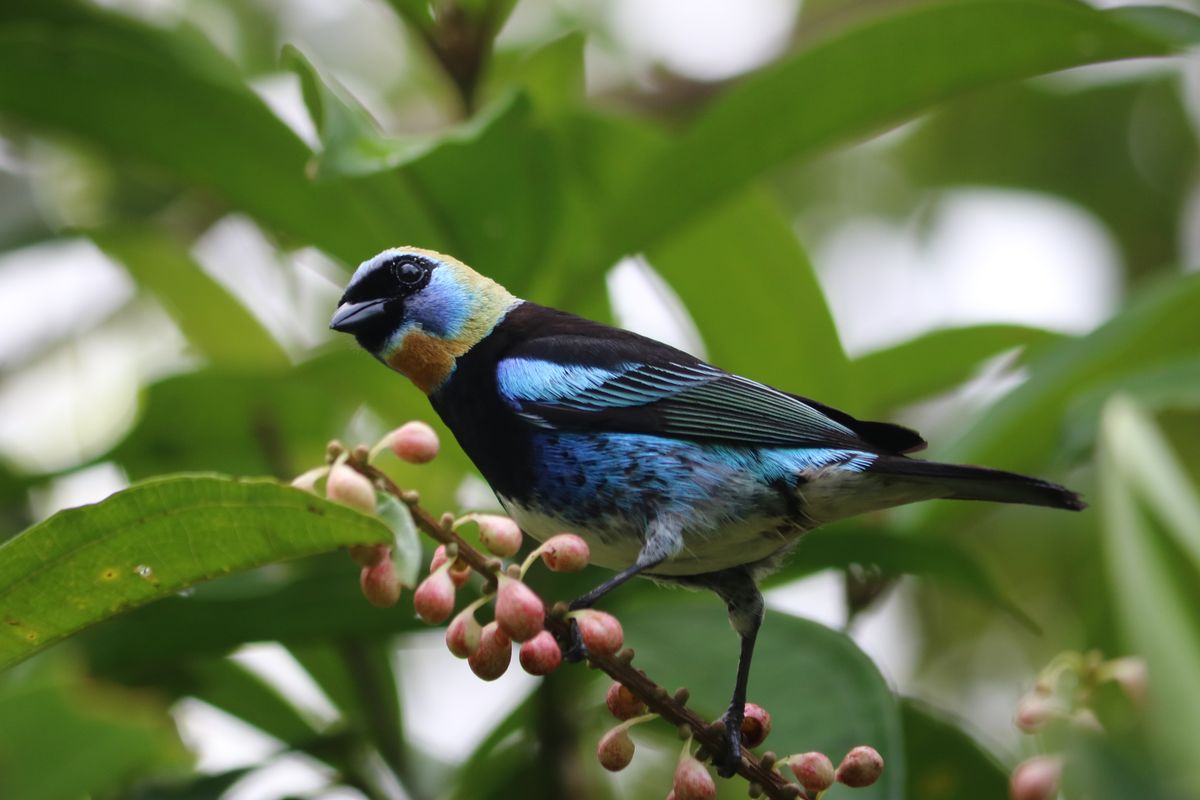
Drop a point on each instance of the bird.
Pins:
(669, 467)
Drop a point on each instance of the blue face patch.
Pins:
(442, 307)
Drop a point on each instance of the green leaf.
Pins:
(935, 362)
(358, 676)
(1020, 431)
(229, 686)
(327, 605)
(406, 542)
(1151, 530)
(782, 331)
(944, 763)
(63, 735)
(216, 324)
(169, 99)
(947, 565)
(352, 143)
(552, 76)
(1172, 385)
(202, 787)
(822, 691)
(86, 564)
(862, 81)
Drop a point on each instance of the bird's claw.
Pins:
(573, 648)
(729, 758)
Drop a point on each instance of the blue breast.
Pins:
(583, 477)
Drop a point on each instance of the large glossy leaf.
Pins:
(323, 603)
(150, 541)
(1151, 530)
(935, 362)
(861, 81)
(747, 283)
(216, 324)
(944, 762)
(822, 691)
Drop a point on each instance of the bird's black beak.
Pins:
(351, 317)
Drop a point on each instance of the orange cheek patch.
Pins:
(425, 360)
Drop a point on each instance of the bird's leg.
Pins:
(662, 541)
(745, 603)
(574, 649)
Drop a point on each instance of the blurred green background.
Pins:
(978, 218)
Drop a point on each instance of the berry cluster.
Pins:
(862, 766)
(520, 616)
(1065, 698)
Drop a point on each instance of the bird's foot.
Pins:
(572, 646)
(729, 758)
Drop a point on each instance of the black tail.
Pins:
(962, 482)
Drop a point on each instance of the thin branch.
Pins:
(764, 779)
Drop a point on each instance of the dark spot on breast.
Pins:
(579, 479)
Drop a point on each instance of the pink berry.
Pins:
(1035, 710)
(565, 552)
(756, 725)
(414, 442)
(500, 535)
(861, 767)
(623, 703)
(692, 780)
(368, 555)
(462, 637)
(434, 598)
(1036, 779)
(813, 770)
(379, 584)
(540, 655)
(1131, 675)
(601, 632)
(519, 611)
(349, 487)
(460, 571)
(490, 660)
(615, 750)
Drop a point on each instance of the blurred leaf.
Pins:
(357, 676)
(861, 81)
(947, 565)
(1151, 530)
(936, 362)
(352, 143)
(406, 542)
(497, 189)
(1171, 24)
(216, 324)
(552, 76)
(1020, 431)
(822, 691)
(1171, 385)
(1026, 136)
(944, 763)
(168, 98)
(63, 735)
(201, 787)
(749, 286)
(229, 686)
(86, 564)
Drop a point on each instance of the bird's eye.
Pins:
(407, 273)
